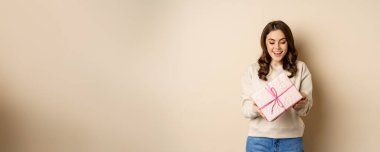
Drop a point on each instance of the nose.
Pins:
(277, 46)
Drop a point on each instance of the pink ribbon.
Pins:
(276, 99)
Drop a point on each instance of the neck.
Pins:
(276, 63)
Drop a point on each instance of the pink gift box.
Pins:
(276, 97)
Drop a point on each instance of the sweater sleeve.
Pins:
(306, 87)
(247, 102)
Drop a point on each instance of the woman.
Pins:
(278, 55)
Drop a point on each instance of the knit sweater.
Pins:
(289, 124)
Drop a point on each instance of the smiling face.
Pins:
(277, 45)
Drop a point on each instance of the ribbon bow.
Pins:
(276, 99)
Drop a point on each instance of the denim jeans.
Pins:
(262, 144)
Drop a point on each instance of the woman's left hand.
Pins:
(300, 104)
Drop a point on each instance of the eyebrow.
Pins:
(270, 39)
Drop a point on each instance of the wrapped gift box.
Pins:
(276, 97)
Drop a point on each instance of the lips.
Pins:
(277, 54)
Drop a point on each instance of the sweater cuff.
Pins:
(305, 109)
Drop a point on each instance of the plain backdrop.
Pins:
(164, 75)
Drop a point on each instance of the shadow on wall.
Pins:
(25, 130)
(314, 121)
(7, 142)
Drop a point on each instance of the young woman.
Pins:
(278, 55)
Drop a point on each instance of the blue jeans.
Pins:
(262, 144)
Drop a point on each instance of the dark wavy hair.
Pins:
(290, 58)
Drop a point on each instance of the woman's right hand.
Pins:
(258, 109)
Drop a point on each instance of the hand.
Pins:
(301, 103)
(258, 109)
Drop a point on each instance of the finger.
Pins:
(262, 114)
(256, 106)
(299, 105)
(258, 109)
(304, 95)
(302, 101)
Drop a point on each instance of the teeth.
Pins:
(277, 53)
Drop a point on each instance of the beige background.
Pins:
(146, 75)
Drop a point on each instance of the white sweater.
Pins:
(289, 124)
